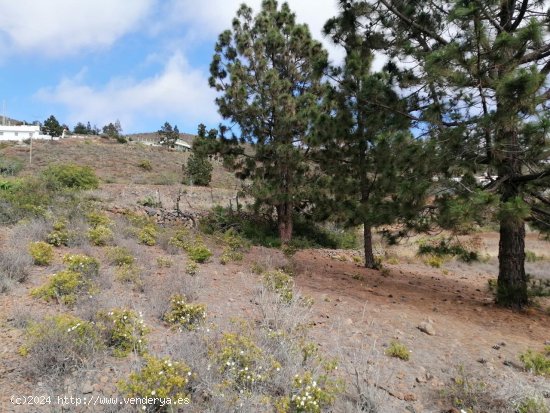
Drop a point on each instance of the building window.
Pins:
(16, 133)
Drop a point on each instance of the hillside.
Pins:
(281, 317)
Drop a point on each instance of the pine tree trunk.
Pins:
(512, 280)
(284, 222)
(370, 262)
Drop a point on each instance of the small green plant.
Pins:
(150, 202)
(96, 219)
(399, 350)
(531, 256)
(310, 395)
(281, 283)
(145, 164)
(198, 170)
(434, 261)
(100, 235)
(125, 331)
(64, 287)
(537, 362)
(148, 235)
(120, 256)
(192, 268)
(164, 262)
(442, 247)
(161, 379)
(199, 253)
(467, 393)
(59, 236)
(184, 315)
(182, 239)
(41, 253)
(85, 265)
(129, 273)
(235, 245)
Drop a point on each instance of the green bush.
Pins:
(161, 379)
(83, 264)
(41, 253)
(164, 262)
(120, 256)
(148, 235)
(63, 286)
(441, 247)
(281, 283)
(396, 349)
(185, 315)
(129, 273)
(59, 236)
(310, 395)
(235, 246)
(71, 176)
(100, 235)
(198, 170)
(538, 363)
(145, 164)
(98, 219)
(125, 331)
(199, 253)
(192, 268)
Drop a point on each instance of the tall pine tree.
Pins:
(268, 70)
(476, 81)
(374, 167)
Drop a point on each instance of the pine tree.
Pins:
(168, 135)
(375, 169)
(52, 127)
(476, 82)
(268, 70)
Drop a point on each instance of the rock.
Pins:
(87, 388)
(409, 397)
(348, 321)
(427, 327)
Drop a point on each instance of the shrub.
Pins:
(235, 245)
(281, 283)
(533, 405)
(145, 164)
(310, 395)
(71, 176)
(59, 236)
(531, 256)
(41, 253)
(198, 170)
(59, 344)
(161, 379)
(182, 239)
(441, 247)
(125, 332)
(85, 265)
(469, 394)
(10, 166)
(192, 268)
(434, 261)
(15, 264)
(100, 235)
(120, 256)
(199, 253)
(96, 219)
(536, 362)
(150, 202)
(148, 235)
(164, 262)
(129, 273)
(184, 315)
(396, 349)
(63, 286)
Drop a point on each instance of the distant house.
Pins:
(181, 145)
(21, 133)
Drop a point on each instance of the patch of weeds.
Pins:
(59, 344)
(126, 332)
(538, 288)
(434, 261)
(398, 350)
(145, 164)
(531, 256)
(192, 268)
(537, 362)
(71, 176)
(148, 235)
(234, 246)
(120, 256)
(150, 202)
(41, 253)
(159, 378)
(85, 265)
(442, 247)
(96, 219)
(184, 315)
(63, 287)
(59, 236)
(164, 262)
(15, 264)
(533, 405)
(129, 273)
(467, 393)
(281, 283)
(309, 395)
(492, 284)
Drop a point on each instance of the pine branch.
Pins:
(536, 55)
(530, 177)
(520, 17)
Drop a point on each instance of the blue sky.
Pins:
(143, 62)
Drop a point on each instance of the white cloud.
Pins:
(179, 93)
(62, 27)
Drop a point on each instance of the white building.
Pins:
(21, 133)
